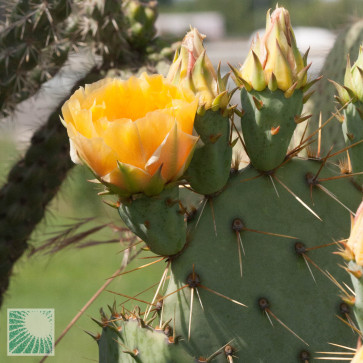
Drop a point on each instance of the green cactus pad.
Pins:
(268, 125)
(209, 169)
(109, 350)
(156, 220)
(129, 341)
(275, 268)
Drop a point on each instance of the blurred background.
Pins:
(242, 17)
(66, 280)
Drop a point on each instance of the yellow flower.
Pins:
(274, 60)
(355, 241)
(135, 134)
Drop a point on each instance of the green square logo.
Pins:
(30, 332)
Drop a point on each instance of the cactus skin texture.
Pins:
(353, 256)
(266, 148)
(294, 298)
(248, 204)
(350, 96)
(210, 177)
(160, 222)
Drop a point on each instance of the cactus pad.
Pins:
(277, 283)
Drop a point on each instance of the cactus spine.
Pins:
(33, 49)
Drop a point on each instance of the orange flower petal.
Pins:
(101, 125)
(94, 152)
(153, 129)
(172, 154)
(90, 89)
(154, 83)
(99, 93)
(67, 116)
(123, 137)
(184, 113)
(80, 118)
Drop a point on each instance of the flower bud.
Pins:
(353, 79)
(193, 69)
(274, 60)
(352, 90)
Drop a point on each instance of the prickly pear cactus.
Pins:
(260, 247)
(257, 267)
(121, 329)
(251, 270)
(193, 69)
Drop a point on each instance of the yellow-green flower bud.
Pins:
(274, 60)
(193, 69)
(353, 80)
(352, 90)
